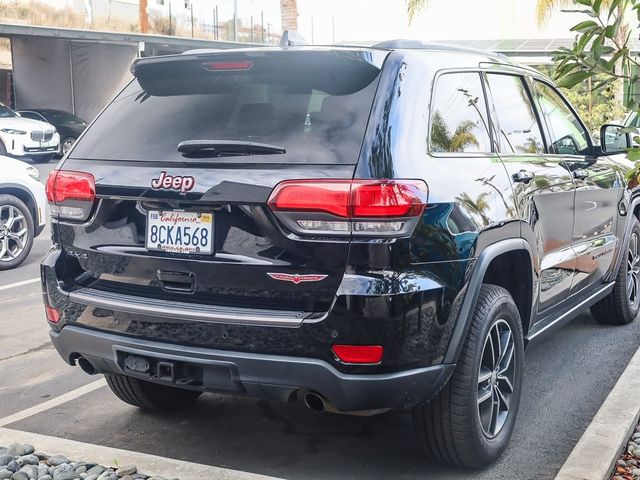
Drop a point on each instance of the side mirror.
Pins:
(614, 139)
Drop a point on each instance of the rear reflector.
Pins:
(358, 353)
(71, 194)
(53, 315)
(363, 207)
(222, 66)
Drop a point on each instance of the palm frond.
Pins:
(545, 7)
(414, 7)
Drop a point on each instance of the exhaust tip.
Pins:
(86, 366)
(314, 402)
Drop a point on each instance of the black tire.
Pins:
(71, 140)
(42, 158)
(10, 202)
(450, 426)
(150, 396)
(619, 307)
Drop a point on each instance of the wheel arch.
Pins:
(489, 268)
(626, 215)
(28, 199)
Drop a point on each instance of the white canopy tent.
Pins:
(80, 71)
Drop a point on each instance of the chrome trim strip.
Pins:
(187, 311)
(569, 314)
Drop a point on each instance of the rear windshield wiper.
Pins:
(223, 148)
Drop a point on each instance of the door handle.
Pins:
(523, 176)
(580, 173)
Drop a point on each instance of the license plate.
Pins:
(180, 232)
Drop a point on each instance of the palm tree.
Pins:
(479, 206)
(414, 7)
(289, 14)
(460, 139)
(544, 8)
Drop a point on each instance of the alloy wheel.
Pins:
(66, 145)
(496, 377)
(13, 233)
(633, 270)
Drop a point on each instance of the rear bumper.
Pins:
(270, 376)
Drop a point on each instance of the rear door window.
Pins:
(314, 105)
(518, 128)
(459, 120)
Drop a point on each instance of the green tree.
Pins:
(601, 53)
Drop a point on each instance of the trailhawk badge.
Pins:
(285, 277)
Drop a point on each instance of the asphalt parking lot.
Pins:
(567, 377)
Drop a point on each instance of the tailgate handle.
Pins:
(184, 282)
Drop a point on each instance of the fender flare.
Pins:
(634, 201)
(31, 204)
(463, 321)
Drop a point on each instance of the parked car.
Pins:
(360, 229)
(27, 138)
(22, 210)
(68, 125)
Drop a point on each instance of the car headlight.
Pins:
(33, 172)
(13, 131)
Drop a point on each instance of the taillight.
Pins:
(349, 207)
(71, 195)
(227, 66)
(361, 354)
(53, 314)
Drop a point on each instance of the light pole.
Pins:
(235, 20)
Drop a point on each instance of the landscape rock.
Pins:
(28, 460)
(126, 470)
(96, 470)
(24, 462)
(16, 450)
(56, 460)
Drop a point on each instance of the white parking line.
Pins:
(54, 402)
(19, 284)
(149, 464)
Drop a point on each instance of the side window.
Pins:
(459, 115)
(31, 115)
(568, 137)
(518, 128)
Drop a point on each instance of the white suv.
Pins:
(23, 137)
(23, 204)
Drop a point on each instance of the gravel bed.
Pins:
(628, 465)
(23, 462)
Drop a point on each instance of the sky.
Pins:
(442, 20)
(369, 20)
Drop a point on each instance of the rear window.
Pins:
(315, 105)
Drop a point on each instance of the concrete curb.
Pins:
(595, 455)
(148, 464)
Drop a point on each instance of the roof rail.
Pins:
(419, 44)
(401, 43)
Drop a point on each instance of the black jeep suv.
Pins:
(360, 229)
